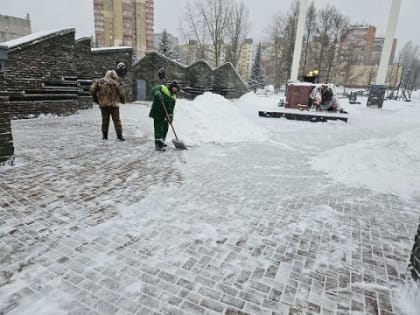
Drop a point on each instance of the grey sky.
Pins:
(54, 14)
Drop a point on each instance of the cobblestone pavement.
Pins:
(92, 227)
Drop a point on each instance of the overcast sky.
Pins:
(56, 14)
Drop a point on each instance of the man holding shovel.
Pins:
(162, 111)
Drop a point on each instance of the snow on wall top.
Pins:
(111, 48)
(36, 37)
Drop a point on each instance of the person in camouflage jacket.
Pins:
(163, 95)
(108, 93)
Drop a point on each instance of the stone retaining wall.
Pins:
(107, 58)
(194, 79)
(6, 140)
(414, 266)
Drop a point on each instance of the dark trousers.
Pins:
(161, 129)
(114, 112)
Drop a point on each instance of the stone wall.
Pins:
(83, 59)
(41, 75)
(147, 69)
(6, 140)
(194, 79)
(42, 61)
(414, 266)
(107, 59)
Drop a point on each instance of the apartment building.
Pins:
(378, 45)
(246, 58)
(13, 27)
(125, 23)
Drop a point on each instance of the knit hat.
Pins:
(174, 83)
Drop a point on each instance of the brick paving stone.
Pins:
(213, 305)
(227, 299)
(128, 305)
(227, 290)
(248, 297)
(192, 308)
(215, 295)
(105, 308)
(170, 299)
(171, 311)
(232, 311)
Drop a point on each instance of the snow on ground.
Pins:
(388, 164)
(281, 207)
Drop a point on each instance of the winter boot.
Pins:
(121, 138)
(104, 135)
(159, 146)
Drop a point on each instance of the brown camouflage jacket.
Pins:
(107, 92)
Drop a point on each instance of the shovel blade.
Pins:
(179, 144)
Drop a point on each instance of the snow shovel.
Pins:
(177, 143)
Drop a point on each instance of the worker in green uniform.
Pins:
(163, 95)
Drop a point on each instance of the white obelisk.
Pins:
(303, 7)
(389, 38)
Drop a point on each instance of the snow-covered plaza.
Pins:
(259, 216)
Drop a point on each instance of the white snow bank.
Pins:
(409, 299)
(211, 118)
(390, 165)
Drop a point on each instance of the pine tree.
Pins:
(256, 79)
(164, 44)
(164, 47)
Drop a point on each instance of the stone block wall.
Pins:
(41, 75)
(147, 69)
(6, 140)
(105, 59)
(227, 82)
(40, 61)
(82, 58)
(414, 266)
(32, 109)
(194, 79)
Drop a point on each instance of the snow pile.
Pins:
(210, 118)
(390, 165)
(254, 102)
(409, 299)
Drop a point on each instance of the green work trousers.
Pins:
(161, 129)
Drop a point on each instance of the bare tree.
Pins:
(410, 62)
(337, 33)
(326, 20)
(282, 33)
(310, 27)
(194, 30)
(237, 30)
(216, 15)
(275, 30)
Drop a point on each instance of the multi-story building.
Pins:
(246, 58)
(125, 23)
(188, 53)
(13, 27)
(359, 39)
(378, 45)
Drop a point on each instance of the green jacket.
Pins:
(162, 93)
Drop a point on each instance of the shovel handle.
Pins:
(169, 120)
